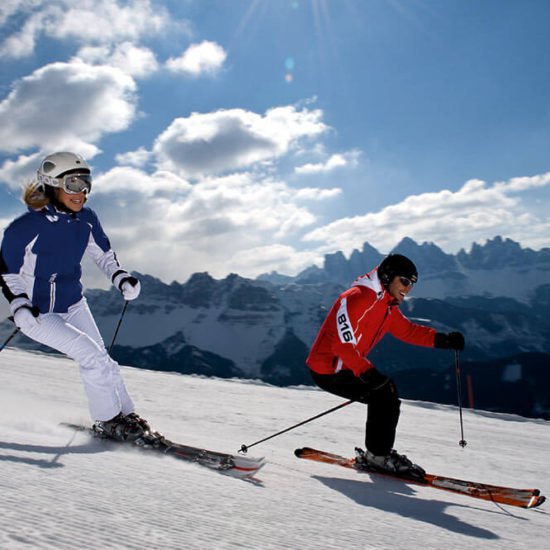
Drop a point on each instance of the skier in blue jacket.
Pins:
(40, 271)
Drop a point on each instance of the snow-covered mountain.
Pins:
(63, 490)
(499, 268)
(237, 327)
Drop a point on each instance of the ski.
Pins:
(523, 498)
(225, 463)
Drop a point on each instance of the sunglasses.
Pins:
(405, 282)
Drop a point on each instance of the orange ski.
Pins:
(523, 498)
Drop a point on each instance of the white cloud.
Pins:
(452, 219)
(162, 225)
(86, 22)
(198, 59)
(231, 139)
(241, 221)
(66, 105)
(22, 43)
(317, 194)
(338, 160)
(17, 173)
(138, 158)
(125, 180)
(136, 61)
(524, 183)
(107, 21)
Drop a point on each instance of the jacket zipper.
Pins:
(52, 292)
(372, 343)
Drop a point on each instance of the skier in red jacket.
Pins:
(338, 360)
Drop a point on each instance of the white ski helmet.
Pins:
(55, 166)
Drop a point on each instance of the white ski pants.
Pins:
(75, 334)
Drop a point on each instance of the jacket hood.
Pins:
(370, 280)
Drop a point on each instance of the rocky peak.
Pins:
(499, 253)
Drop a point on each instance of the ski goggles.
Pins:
(76, 183)
(70, 183)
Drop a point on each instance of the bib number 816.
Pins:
(344, 329)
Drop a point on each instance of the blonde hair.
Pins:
(34, 195)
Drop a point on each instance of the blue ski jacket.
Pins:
(41, 254)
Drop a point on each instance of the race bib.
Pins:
(345, 332)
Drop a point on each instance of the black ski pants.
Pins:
(383, 406)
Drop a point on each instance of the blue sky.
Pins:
(255, 135)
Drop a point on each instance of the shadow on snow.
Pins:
(398, 498)
(58, 451)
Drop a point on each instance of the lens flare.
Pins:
(289, 66)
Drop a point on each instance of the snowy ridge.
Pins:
(62, 490)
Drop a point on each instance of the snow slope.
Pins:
(64, 490)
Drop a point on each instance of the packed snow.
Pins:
(64, 490)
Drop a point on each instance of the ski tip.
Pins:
(302, 451)
(536, 501)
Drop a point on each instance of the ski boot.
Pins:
(129, 427)
(392, 463)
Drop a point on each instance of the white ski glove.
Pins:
(25, 315)
(128, 285)
(130, 288)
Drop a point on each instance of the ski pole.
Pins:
(10, 338)
(462, 441)
(244, 448)
(118, 325)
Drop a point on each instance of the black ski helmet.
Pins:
(396, 265)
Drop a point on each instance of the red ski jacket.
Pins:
(356, 323)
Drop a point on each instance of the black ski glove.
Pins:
(452, 340)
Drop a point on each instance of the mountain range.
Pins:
(497, 294)
(499, 268)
